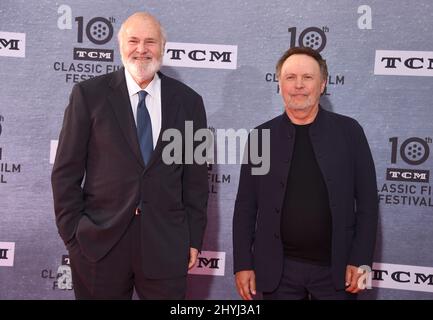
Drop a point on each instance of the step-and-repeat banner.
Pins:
(380, 58)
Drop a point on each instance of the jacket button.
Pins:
(277, 210)
(137, 211)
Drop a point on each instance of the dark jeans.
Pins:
(305, 281)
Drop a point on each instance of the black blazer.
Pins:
(345, 160)
(98, 143)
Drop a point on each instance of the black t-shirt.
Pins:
(306, 223)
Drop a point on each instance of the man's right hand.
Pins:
(246, 284)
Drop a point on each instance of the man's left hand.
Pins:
(352, 279)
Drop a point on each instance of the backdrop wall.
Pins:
(380, 58)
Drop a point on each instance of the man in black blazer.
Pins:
(129, 218)
(307, 228)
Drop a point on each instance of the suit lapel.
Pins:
(319, 135)
(121, 106)
(286, 141)
(282, 144)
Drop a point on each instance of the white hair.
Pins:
(144, 15)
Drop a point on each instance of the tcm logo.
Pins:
(407, 175)
(93, 54)
(210, 263)
(402, 277)
(97, 30)
(404, 63)
(12, 44)
(413, 151)
(198, 55)
(7, 253)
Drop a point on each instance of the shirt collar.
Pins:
(133, 87)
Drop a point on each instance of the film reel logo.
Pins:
(312, 37)
(99, 30)
(413, 151)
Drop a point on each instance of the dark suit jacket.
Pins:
(345, 161)
(98, 142)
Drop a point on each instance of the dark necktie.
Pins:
(144, 128)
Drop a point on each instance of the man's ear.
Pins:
(323, 86)
(163, 49)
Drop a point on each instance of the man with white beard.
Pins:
(129, 220)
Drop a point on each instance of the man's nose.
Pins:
(299, 83)
(141, 47)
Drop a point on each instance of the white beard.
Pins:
(142, 71)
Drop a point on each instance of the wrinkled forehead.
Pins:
(142, 27)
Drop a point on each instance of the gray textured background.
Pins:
(33, 97)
